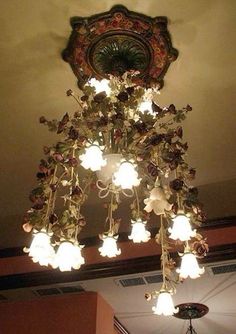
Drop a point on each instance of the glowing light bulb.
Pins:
(100, 86)
(139, 232)
(146, 106)
(126, 177)
(189, 267)
(164, 304)
(181, 228)
(106, 172)
(68, 256)
(109, 246)
(93, 158)
(41, 249)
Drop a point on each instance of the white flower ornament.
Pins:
(157, 202)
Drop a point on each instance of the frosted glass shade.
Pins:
(41, 249)
(139, 232)
(189, 267)
(109, 247)
(181, 229)
(126, 176)
(105, 174)
(164, 305)
(93, 158)
(68, 256)
(100, 85)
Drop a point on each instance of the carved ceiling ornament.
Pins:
(118, 41)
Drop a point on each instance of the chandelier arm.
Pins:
(106, 193)
(179, 202)
(77, 100)
(55, 193)
(87, 185)
(49, 206)
(146, 135)
(163, 252)
(110, 211)
(102, 190)
(126, 192)
(137, 201)
(72, 170)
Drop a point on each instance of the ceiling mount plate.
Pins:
(118, 41)
(191, 311)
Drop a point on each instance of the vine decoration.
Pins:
(152, 139)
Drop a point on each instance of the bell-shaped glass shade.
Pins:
(106, 173)
(92, 158)
(164, 304)
(68, 256)
(100, 85)
(181, 229)
(139, 232)
(146, 106)
(109, 247)
(126, 177)
(189, 267)
(41, 249)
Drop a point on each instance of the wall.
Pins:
(84, 313)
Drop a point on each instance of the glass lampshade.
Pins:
(164, 304)
(41, 249)
(109, 247)
(189, 267)
(181, 229)
(126, 177)
(100, 86)
(105, 174)
(92, 158)
(139, 232)
(68, 256)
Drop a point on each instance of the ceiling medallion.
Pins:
(118, 41)
(190, 311)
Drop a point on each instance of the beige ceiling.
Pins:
(33, 83)
(136, 314)
(34, 80)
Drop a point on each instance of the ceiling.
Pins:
(136, 315)
(34, 80)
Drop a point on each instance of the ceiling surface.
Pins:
(34, 79)
(135, 313)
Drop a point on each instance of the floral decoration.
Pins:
(148, 145)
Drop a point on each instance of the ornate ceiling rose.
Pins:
(118, 41)
(191, 311)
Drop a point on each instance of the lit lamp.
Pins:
(164, 305)
(126, 177)
(181, 228)
(68, 256)
(139, 232)
(146, 106)
(189, 266)
(92, 158)
(109, 246)
(100, 86)
(41, 249)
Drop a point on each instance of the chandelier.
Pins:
(122, 144)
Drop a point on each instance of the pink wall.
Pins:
(84, 313)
